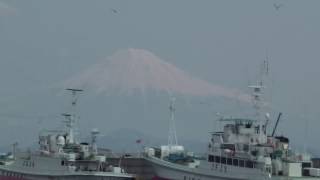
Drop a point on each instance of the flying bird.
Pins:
(114, 10)
(277, 6)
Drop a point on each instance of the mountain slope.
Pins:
(138, 70)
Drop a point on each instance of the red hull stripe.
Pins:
(159, 178)
(10, 178)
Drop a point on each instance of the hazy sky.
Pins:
(44, 42)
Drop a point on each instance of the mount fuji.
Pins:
(139, 71)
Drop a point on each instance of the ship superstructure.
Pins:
(61, 157)
(243, 150)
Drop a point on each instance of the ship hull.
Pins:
(165, 173)
(170, 171)
(30, 177)
(10, 175)
(10, 178)
(60, 178)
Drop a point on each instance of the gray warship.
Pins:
(61, 157)
(243, 150)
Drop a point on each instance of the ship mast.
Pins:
(94, 135)
(172, 139)
(257, 98)
(71, 118)
(257, 93)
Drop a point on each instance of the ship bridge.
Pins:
(239, 121)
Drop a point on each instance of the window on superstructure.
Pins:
(211, 158)
(257, 129)
(235, 162)
(241, 163)
(223, 160)
(217, 159)
(246, 147)
(229, 161)
(249, 164)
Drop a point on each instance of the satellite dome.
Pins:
(61, 141)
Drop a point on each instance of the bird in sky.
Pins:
(277, 6)
(114, 10)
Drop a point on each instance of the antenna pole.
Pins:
(14, 149)
(172, 139)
